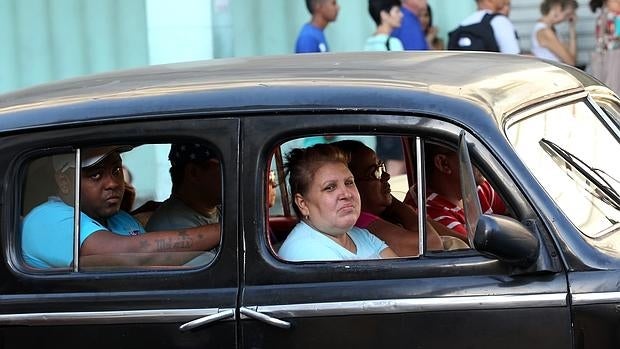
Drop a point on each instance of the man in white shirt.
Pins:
(503, 29)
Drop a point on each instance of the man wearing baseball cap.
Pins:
(108, 235)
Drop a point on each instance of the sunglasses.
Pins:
(377, 173)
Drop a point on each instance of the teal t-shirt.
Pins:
(47, 233)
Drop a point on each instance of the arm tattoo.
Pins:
(182, 241)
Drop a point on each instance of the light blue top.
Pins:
(378, 42)
(47, 234)
(304, 243)
(311, 39)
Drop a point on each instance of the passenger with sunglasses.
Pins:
(382, 214)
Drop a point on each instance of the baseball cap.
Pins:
(90, 157)
(182, 153)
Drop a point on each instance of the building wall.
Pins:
(46, 40)
(178, 31)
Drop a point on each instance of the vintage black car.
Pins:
(545, 136)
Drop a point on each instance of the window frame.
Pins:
(425, 134)
(223, 134)
(597, 112)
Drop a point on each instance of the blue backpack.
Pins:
(474, 37)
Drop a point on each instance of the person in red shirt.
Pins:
(444, 202)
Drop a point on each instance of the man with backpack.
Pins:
(485, 30)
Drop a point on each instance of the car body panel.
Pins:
(117, 308)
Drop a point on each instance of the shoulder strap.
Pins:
(387, 43)
(488, 18)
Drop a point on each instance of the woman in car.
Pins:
(328, 204)
(382, 214)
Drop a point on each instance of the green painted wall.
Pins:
(270, 26)
(45, 40)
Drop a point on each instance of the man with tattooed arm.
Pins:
(109, 236)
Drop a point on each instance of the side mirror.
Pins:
(506, 239)
(496, 236)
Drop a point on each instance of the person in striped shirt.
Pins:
(444, 202)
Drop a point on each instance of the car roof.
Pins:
(500, 83)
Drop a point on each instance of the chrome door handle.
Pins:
(207, 320)
(265, 318)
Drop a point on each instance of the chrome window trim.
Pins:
(76, 210)
(420, 195)
(604, 117)
(414, 305)
(595, 298)
(106, 317)
(530, 111)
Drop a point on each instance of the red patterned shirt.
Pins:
(452, 216)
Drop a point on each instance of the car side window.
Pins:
(386, 210)
(568, 150)
(122, 207)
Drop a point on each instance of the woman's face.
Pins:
(375, 192)
(331, 203)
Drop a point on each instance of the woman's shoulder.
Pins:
(395, 44)
(305, 244)
(376, 42)
(303, 234)
(540, 25)
(364, 234)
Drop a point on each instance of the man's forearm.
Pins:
(201, 238)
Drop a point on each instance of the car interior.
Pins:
(282, 219)
(146, 175)
(148, 167)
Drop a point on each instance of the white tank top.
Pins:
(539, 51)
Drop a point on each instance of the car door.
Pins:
(151, 307)
(436, 300)
(570, 143)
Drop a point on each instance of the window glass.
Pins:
(444, 193)
(349, 210)
(47, 180)
(154, 206)
(569, 151)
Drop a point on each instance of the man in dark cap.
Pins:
(108, 235)
(196, 189)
